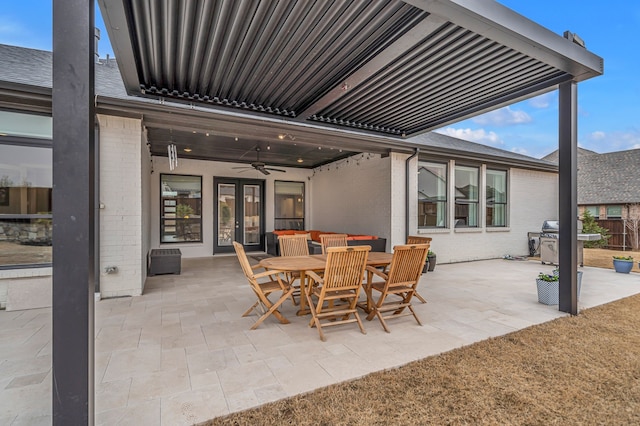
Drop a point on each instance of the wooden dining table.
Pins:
(315, 262)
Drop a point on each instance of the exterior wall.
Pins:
(121, 239)
(353, 197)
(145, 167)
(398, 196)
(533, 198)
(208, 170)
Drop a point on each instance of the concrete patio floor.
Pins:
(181, 353)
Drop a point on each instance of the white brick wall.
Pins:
(121, 231)
(352, 198)
(533, 197)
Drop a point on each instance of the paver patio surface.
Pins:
(181, 353)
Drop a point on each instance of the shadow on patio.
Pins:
(181, 353)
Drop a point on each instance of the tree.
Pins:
(590, 226)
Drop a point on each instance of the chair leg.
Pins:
(382, 321)
(315, 320)
(416, 294)
(273, 309)
(250, 309)
(415, 316)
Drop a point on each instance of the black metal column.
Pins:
(73, 212)
(568, 196)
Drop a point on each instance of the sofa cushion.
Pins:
(362, 237)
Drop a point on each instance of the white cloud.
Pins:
(520, 150)
(542, 101)
(503, 117)
(478, 135)
(600, 141)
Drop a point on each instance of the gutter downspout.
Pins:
(407, 199)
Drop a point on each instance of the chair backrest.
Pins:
(345, 267)
(244, 261)
(412, 239)
(406, 265)
(293, 245)
(332, 240)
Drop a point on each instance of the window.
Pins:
(181, 208)
(289, 205)
(614, 212)
(25, 205)
(595, 211)
(496, 198)
(466, 197)
(432, 195)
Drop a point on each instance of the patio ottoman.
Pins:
(164, 261)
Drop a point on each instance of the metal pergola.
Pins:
(371, 67)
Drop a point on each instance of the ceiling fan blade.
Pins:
(263, 170)
(276, 170)
(242, 167)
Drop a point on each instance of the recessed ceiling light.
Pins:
(187, 150)
(236, 139)
(281, 137)
(194, 131)
(207, 133)
(300, 160)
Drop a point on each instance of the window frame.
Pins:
(595, 215)
(506, 197)
(467, 202)
(27, 142)
(440, 205)
(614, 216)
(275, 204)
(162, 206)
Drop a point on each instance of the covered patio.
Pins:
(369, 71)
(181, 353)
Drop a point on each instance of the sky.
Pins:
(608, 105)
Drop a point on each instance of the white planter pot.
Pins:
(549, 291)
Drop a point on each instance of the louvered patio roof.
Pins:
(388, 67)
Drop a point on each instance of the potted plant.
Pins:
(556, 272)
(431, 258)
(547, 288)
(623, 264)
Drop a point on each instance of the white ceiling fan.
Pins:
(260, 166)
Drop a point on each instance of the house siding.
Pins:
(533, 198)
(354, 197)
(121, 230)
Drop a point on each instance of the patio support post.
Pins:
(73, 212)
(568, 197)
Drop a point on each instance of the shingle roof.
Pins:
(610, 178)
(444, 142)
(34, 68)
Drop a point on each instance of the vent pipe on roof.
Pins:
(96, 34)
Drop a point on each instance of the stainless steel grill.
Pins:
(549, 236)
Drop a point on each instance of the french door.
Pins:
(238, 214)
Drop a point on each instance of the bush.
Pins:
(590, 226)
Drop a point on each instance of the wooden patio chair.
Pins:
(293, 245)
(401, 281)
(412, 239)
(271, 283)
(339, 288)
(332, 240)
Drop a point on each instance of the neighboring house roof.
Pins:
(553, 157)
(30, 70)
(610, 178)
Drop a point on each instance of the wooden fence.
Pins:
(620, 236)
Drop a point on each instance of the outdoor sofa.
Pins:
(313, 237)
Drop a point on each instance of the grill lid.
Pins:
(550, 226)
